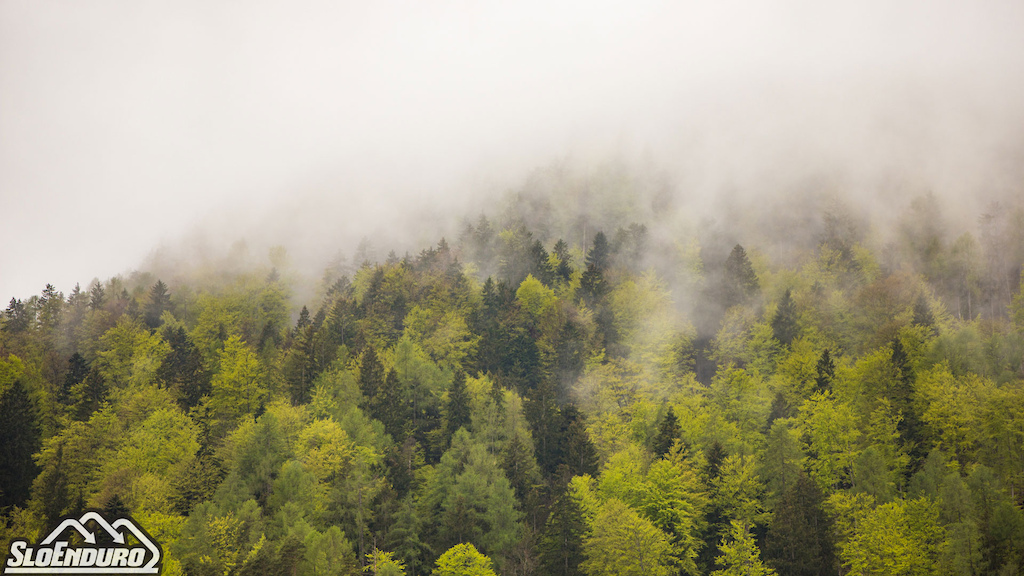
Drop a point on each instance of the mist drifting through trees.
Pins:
(472, 289)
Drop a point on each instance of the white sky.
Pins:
(127, 124)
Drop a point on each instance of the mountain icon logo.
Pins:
(118, 547)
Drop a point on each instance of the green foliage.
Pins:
(740, 556)
(238, 388)
(463, 560)
(622, 543)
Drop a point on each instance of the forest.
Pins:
(551, 390)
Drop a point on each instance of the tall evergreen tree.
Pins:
(371, 375)
(668, 433)
(784, 327)
(457, 409)
(799, 540)
(599, 253)
(78, 369)
(182, 369)
(826, 372)
(159, 302)
(739, 282)
(19, 440)
(561, 541)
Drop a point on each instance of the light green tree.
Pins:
(623, 543)
(463, 560)
(740, 556)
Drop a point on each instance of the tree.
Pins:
(826, 372)
(380, 563)
(622, 543)
(799, 540)
(457, 408)
(237, 388)
(784, 326)
(182, 369)
(159, 302)
(19, 440)
(371, 374)
(599, 253)
(561, 541)
(463, 560)
(739, 282)
(740, 556)
(668, 433)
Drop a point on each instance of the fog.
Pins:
(128, 127)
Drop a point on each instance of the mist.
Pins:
(133, 131)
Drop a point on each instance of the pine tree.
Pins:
(19, 440)
(580, 455)
(826, 372)
(97, 296)
(599, 254)
(923, 313)
(159, 302)
(457, 409)
(739, 282)
(371, 375)
(564, 268)
(799, 540)
(561, 541)
(668, 433)
(78, 369)
(784, 327)
(182, 369)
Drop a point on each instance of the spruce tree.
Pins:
(371, 375)
(182, 369)
(826, 372)
(599, 253)
(739, 282)
(19, 440)
(799, 540)
(457, 409)
(561, 541)
(159, 302)
(784, 327)
(668, 433)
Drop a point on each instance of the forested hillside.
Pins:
(546, 392)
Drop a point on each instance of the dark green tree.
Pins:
(799, 541)
(826, 372)
(182, 369)
(456, 412)
(739, 282)
(560, 548)
(158, 303)
(580, 455)
(371, 375)
(599, 253)
(668, 433)
(78, 369)
(19, 440)
(784, 327)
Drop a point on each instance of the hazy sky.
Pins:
(127, 124)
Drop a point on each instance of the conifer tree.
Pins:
(159, 302)
(799, 540)
(561, 541)
(668, 433)
(371, 375)
(457, 409)
(784, 327)
(19, 440)
(826, 372)
(739, 282)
